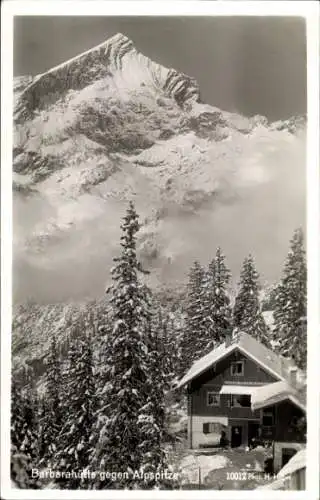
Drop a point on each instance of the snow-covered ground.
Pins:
(195, 468)
(228, 469)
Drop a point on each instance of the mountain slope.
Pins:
(110, 125)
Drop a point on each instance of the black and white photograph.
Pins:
(158, 335)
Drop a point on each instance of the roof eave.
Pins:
(276, 400)
(229, 350)
(265, 367)
(182, 383)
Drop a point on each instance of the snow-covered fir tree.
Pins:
(176, 330)
(247, 314)
(291, 303)
(171, 320)
(168, 334)
(19, 424)
(194, 316)
(216, 305)
(52, 412)
(42, 424)
(129, 417)
(152, 418)
(24, 434)
(268, 297)
(160, 326)
(74, 443)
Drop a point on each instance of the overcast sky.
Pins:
(249, 65)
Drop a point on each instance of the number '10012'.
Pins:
(236, 476)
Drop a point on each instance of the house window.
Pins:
(211, 428)
(267, 418)
(213, 399)
(240, 401)
(237, 368)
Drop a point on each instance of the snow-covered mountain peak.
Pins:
(115, 59)
(111, 52)
(111, 125)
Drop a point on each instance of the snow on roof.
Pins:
(297, 462)
(272, 362)
(202, 364)
(270, 394)
(238, 389)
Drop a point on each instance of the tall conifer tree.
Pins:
(291, 303)
(24, 433)
(78, 404)
(52, 412)
(194, 316)
(247, 314)
(216, 305)
(152, 418)
(127, 417)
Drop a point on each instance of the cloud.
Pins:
(267, 202)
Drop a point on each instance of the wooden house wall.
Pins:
(221, 374)
(213, 379)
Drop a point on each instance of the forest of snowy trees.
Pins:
(102, 403)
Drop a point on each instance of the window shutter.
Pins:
(206, 428)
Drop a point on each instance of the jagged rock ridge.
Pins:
(114, 55)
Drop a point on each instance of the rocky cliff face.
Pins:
(116, 56)
(111, 125)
